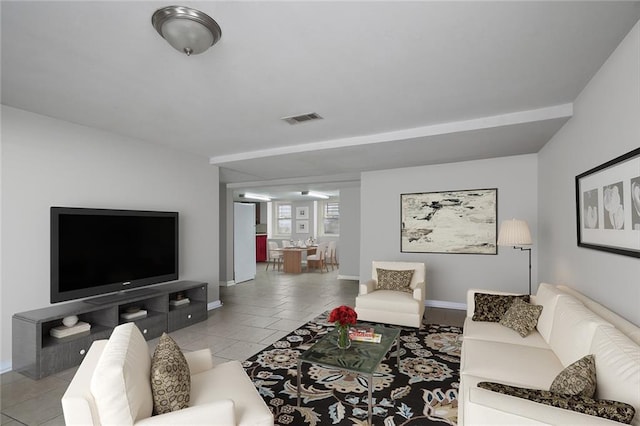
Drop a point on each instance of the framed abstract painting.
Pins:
(449, 222)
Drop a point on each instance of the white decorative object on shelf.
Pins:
(64, 331)
(70, 321)
(141, 313)
(179, 302)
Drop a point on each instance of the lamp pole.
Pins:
(529, 250)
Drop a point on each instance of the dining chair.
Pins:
(331, 254)
(318, 260)
(275, 256)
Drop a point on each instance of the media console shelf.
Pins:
(37, 354)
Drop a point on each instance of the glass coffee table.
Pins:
(361, 358)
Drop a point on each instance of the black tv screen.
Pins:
(97, 251)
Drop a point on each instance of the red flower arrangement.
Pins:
(344, 315)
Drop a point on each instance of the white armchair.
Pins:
(391, 306)
(113, 387)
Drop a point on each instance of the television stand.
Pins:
(37, 354)
(122, 295)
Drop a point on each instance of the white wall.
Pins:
(264, 207)
(226, 235)
(48, 162)
(605, 125)
(450, 275)
(349, 242)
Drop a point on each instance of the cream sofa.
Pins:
(113, 387)
(569, 327)
(389, 306)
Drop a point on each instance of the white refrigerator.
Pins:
(244, 242)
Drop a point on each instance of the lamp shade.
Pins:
(514, 232)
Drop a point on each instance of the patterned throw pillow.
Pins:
(170, 377)
(394, 280)
(604, 408)
(521, 317)
(577, 379)
(491, 307)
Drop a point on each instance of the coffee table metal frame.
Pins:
(361, 358)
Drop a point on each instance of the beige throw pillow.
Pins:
(577, 379)
(120, 382)
(521, 317)
(170, 377)
(394, 280)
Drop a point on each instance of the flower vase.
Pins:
(344, 342)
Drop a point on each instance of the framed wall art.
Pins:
(302, 226)
(302, 212)
(608, 206)
(449, 222)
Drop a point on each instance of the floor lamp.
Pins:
(516, 233)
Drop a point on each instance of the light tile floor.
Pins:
(254, 315)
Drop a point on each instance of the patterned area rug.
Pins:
(423, 391)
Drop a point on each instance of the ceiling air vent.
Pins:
(302, 118)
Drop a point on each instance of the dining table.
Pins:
(292, 258)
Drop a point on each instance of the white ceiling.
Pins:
(397, 83)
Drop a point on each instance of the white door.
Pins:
(244, 242)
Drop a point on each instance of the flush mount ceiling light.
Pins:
(315, 194)
(187, 30)
(255, 196)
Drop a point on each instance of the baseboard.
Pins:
(226, 283)
(214, 305)
(446, 305)
(349, 277)
(5, 367)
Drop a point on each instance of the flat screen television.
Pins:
(98, 251)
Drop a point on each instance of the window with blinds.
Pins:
(331, 217)
(283, 218)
